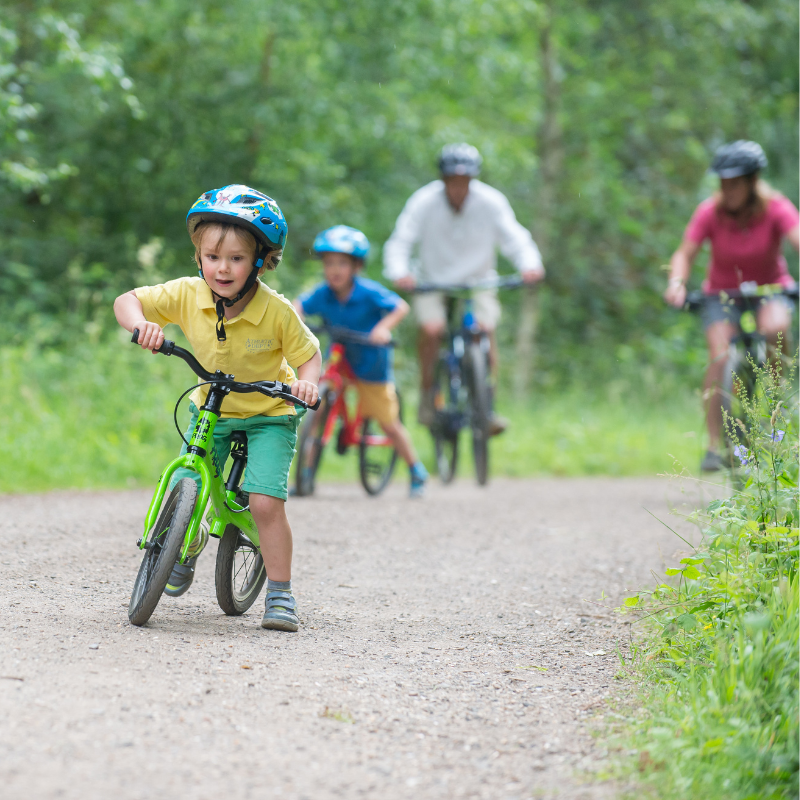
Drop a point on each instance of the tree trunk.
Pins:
(550, 159)
(254, 140)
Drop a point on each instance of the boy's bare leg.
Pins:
(275, 535)
(402, 441)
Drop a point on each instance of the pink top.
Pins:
(744, 254)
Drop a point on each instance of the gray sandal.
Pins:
(281, 612)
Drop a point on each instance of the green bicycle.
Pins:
(179, 527)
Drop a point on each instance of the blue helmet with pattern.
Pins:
(255, 212)
(342, 239)
(240, 205)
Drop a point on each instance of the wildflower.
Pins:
(742, 453)
(777, 435)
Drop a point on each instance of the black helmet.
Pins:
(738, 158)
(460, 159)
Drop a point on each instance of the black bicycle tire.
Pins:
(445, 446)
(363, 447)
(480, 410)
(235, 603)
(305, 482)
(174, 518)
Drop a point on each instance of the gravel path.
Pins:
(447, 649)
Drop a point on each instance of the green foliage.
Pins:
(100, 415)
(115, 116)
(720, 666)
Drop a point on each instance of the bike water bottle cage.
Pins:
(255, 212)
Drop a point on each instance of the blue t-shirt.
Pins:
(368, 303)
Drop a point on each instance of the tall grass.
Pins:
(100, 415)
(719, 666)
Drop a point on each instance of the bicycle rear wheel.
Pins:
(377, 455)
(162, 550)
(446, 424)
(480, 409)
(239, 574)
(310, 446)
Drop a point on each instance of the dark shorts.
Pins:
(715, 309)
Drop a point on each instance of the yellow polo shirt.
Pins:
(262, 341)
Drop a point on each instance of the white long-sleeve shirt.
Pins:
(457, 247)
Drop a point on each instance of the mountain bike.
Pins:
(377, 455)
(462, 383)
(178, 527)
(747, 351)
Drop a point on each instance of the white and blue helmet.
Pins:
(342, 239)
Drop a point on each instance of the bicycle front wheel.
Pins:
(239, 574)
(480, 410)
(310, 446)
(162, 550)
(377, 455)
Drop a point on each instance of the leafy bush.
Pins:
(720, 664)
(99, 415)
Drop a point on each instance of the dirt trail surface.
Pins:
(446, 648)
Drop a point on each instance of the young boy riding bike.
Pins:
(346, 300)
(237, 324)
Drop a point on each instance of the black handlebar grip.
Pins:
(167, 346)
(317, 404)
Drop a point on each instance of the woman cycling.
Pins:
(746, 223)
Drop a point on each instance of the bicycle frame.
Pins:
(201, 457)
(339, 375)
(461, 328)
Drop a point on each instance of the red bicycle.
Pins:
(377, 455)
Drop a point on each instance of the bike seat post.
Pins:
(239, 456)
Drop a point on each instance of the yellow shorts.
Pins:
(378, 401)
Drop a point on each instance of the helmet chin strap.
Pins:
(222, 302)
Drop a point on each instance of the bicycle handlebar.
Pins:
(504, 282)
(345, 335)
(275, 389)
(698, 298)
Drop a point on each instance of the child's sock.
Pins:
(278, 586)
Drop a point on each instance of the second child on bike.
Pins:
(237, 324)
(347, 301)
(746, 222)
(456, 223)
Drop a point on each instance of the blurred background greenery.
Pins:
(597, 119)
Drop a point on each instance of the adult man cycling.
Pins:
(457, 224)
(746, 222)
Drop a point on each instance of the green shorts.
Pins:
(270, 449)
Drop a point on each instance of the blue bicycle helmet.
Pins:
(255, 212)
(240, 205)
(342, 239)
